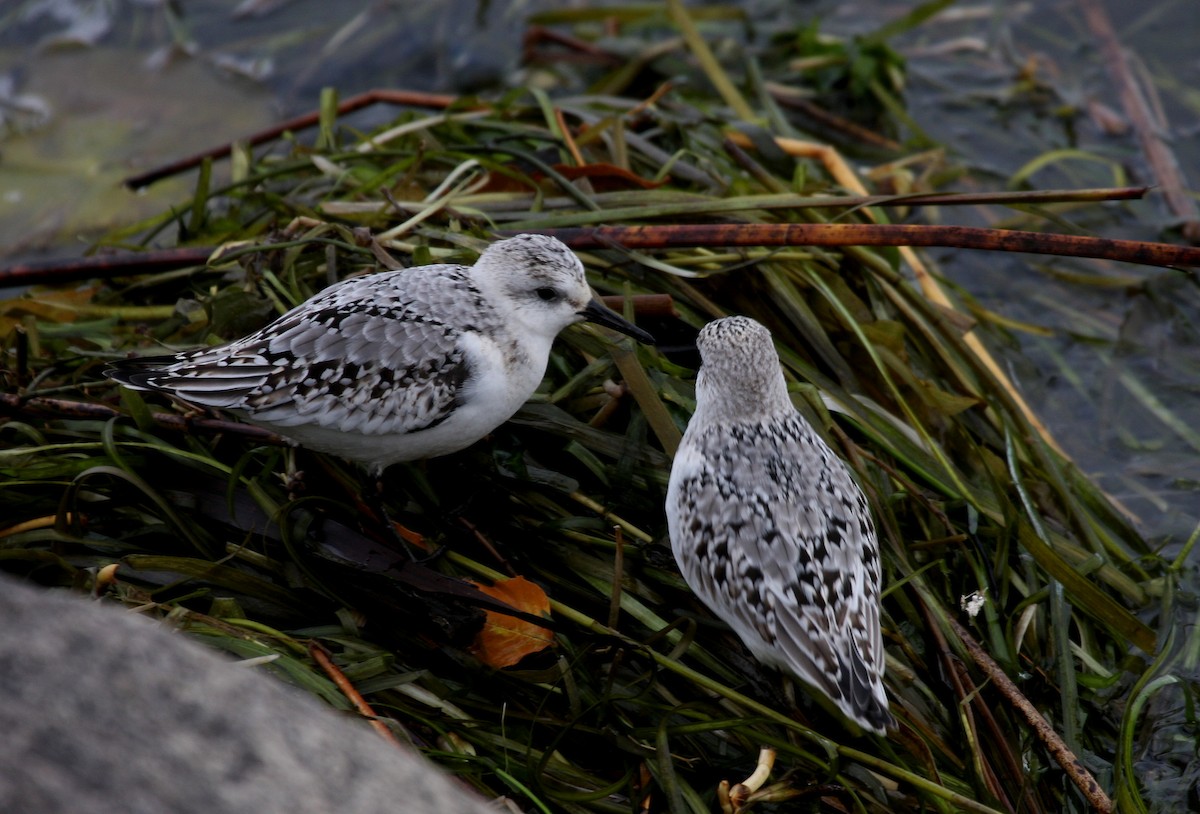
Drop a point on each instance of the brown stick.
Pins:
(536, 35)
(1162, 160)
(789, 97)
(396, 97)
(952, 669)
(644, 305)
(103, 265)
(1054, 744)
(729, 234)
(862, 234)
(321, 656)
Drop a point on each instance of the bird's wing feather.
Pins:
(366, 356)
(770, 528)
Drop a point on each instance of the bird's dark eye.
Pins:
(547, 294)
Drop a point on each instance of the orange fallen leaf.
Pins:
(505, 640)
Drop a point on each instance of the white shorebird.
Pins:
(771, 531)
(399, 365)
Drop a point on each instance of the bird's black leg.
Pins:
(373, 493)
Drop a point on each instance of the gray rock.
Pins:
(106, 711)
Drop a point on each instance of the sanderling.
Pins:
(398, 365)
(771, 531)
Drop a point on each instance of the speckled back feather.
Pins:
(771, 531)
(371, 355)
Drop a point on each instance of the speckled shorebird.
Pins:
(771, 531)
(399, 365)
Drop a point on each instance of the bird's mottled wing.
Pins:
(367, 356)
(770, 527)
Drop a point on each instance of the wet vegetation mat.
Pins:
(1029, 628)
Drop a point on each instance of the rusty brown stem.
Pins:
(862, 234)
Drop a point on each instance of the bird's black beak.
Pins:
(600, 314)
